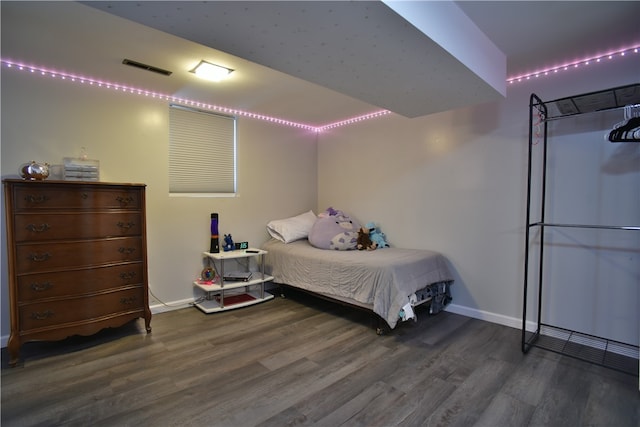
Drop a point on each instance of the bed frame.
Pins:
(380, 325)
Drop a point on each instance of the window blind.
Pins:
(202, 151)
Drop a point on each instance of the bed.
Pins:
(389, 281)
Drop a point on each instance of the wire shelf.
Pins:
(611, 354)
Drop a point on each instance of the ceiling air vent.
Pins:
(146, 67)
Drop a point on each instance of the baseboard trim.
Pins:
(500, 319)
(517, 324)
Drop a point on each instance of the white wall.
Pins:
(46, 120)
(456, 182)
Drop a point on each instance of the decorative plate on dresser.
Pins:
(77, 258)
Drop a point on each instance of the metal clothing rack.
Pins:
(616, 355)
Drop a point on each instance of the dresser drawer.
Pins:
(29, 196)
(57, 312)
(39, 257)
(76, 225)
(32, 287)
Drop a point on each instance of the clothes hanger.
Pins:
(627, 130)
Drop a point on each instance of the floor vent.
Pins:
(146, 67)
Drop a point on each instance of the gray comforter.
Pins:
(382, 279)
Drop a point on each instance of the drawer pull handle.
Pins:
(38, 228)
(42, 316)
(128, 301)
(127, 275)
(36, 199)
(126, 250)
(84, 196)
(126, 226)
(41, 287)
(40, 257)
(125, 200)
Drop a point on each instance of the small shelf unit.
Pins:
(228, 295)
(601, 351)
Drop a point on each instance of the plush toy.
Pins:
(364, 241)
(228, 243)
(337, 232)
(330, 212)
(376, 235)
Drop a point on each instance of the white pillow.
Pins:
(291, 229)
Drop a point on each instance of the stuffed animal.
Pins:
(228, 243)
(364, 241)
(330, 212)
(376, 235)
(336, 232)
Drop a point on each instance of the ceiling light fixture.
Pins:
(212, 72)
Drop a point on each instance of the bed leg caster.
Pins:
(379, 331)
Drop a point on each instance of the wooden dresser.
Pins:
(77, 258)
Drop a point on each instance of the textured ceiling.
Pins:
(367, 51)
(363, 49)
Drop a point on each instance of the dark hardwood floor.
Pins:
(303, 361)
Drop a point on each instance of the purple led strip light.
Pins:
(283, 122)
(573, 65)
(137, 91)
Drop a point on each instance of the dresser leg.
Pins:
(13, 347)
(147, 320)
